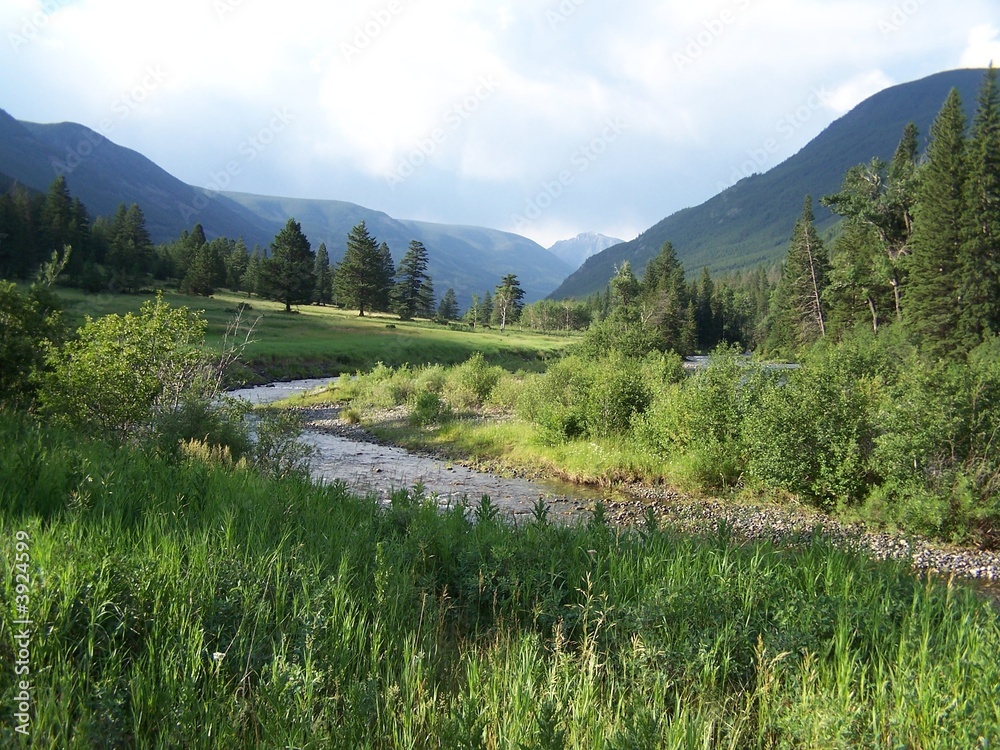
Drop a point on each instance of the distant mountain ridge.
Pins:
(751, 222)
(576, 250)
(104, 175)
(471, 260)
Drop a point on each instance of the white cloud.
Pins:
(373, 83)
(849, 94)
(983, 47)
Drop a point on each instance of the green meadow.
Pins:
(190, 604)
(316, 341)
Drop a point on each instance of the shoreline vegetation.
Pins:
(198, 604)
(187, 585)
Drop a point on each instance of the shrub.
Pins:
(218, 426)
(427, 408)
(121, 371)
(470, 384)
(814, 435)
(617, 394)
(556, 400)
(28, 323)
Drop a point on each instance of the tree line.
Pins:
(919, 245)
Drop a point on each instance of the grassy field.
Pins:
(320, 341)
(189, 605)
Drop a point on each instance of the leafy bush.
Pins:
(701, 419)
(557, 399)
(29, 322)
(815, 434)
(470, 384)
(617, 394)
(217, 425)
(121, 371)
(427, 408)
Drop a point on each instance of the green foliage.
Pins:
(427, 408)
(192, 605)
(287, 274)
(698, 420)
(410, 293)
(471, 383)
(813, 435)
(30, 322)
(218, 425)
(617, 394)
(359, 280)
(121, 371)
(931, 310)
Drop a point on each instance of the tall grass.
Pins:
(189, 605)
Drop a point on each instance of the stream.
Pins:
(368, 467)
(371, 468)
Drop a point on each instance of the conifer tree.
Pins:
(666, 299)
(236, 266)
(359, 278)
(448, 309)
(979, 266)
(288, 272)
(931, 300)
(130, 250)
(507, 302)
(323, 291)
(409, 296)
(799, 299)
(387, 274)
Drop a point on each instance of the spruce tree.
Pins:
(979, 265)
(804, 280)
(448, 309)
(236, 266)
(130, 250)
(359, 278)
(931, 301)
(288, 272)
(410, 277)
(665, 300)
(323, 291)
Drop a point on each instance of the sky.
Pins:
(544, 117)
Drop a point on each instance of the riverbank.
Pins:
(629, 505)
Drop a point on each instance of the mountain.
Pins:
(471, 260)
(577, 250)
(751, 222)
(103, 175)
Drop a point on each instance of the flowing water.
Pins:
(368, 467)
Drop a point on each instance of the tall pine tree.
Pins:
(408, 295)
(288, 272)
(931, 302)
(323, 273)
(799, 296)
(359, 279)
(979, 264)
